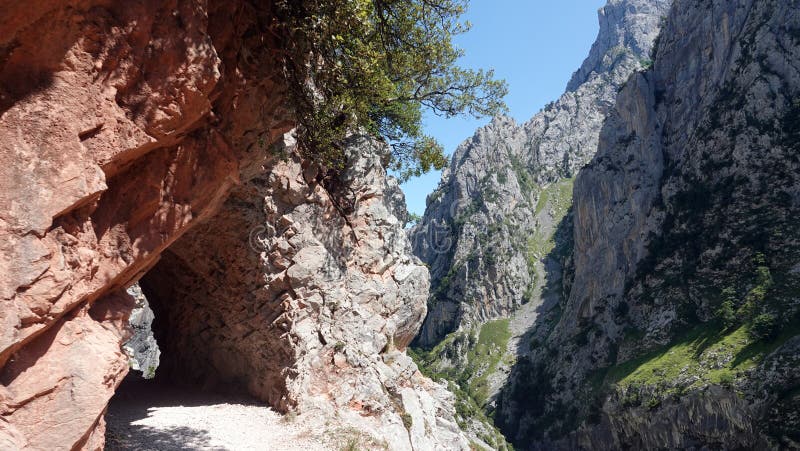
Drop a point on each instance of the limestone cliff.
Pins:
(129, 132)
(496, 232)
(488, 227)
(312, 279)
(678, 328)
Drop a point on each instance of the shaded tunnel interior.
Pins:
(219, 322)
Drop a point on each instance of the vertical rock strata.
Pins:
(304, 290)
(687, 212)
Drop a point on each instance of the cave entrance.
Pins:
(135, 416)
(219, 336)
(194, 382)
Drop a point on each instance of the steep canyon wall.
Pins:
(679, 326)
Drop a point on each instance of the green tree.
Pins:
(758, 294)
(374, 65)
(413, 219)
(765, 326)
(727, 309)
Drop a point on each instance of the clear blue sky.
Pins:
(535, 45)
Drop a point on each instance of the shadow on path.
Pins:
(131, 414)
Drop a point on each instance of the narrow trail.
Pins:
(146, 416)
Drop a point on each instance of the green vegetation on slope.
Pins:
(491, 346)
(524, 177)
(706, 354)
(749, 324)
(485, 349)
(558, 198)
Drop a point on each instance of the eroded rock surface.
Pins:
(497, 230)
(487, 227)
(677, 326)
(303, 290)
(122, 127)
(142, 347)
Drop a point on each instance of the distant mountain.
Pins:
(623, 270)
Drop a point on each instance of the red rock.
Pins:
(122, 125)
(134, 144)
(61, 381)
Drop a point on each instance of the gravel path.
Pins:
(145, 416)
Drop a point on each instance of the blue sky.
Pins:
(535, 45)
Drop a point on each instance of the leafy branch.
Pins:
(375, 65)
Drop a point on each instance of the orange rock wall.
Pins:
(122, 124)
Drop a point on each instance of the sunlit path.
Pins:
(145, 415)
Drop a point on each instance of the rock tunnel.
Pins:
(281, 297)
(220, 324)
(145, 155)
(220, 330)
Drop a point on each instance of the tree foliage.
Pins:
(413, 219)
(375, 65)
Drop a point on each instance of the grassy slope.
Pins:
(558, 197)
(708, 352)
(491, 346)
(470, 383)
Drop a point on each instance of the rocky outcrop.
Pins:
(488, 228)
(303, 290)
(124, 127)
(678, 323)
(142, 347)
(55, 390)
(118, 134)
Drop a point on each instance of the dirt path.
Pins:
(145, 416)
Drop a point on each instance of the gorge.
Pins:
(622, 271)
(648, 299)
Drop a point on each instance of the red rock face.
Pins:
(122, 125)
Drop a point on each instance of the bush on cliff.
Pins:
(375, 65)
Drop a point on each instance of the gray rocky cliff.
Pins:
(678, 328)
(488, 227)
(142, 348)
(304, 292)
(630, 27)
